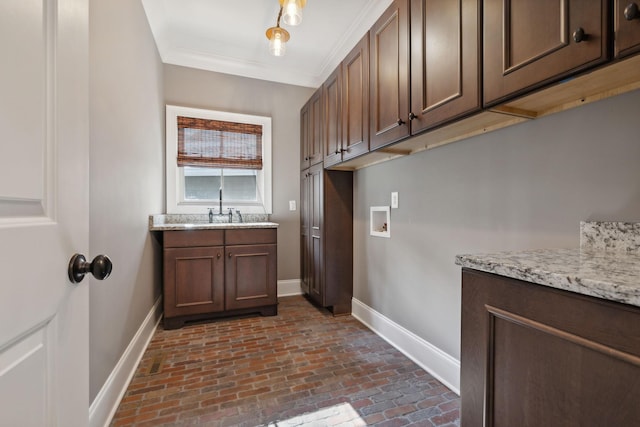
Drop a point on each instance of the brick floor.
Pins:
(302, 367)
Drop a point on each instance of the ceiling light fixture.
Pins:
(278, 38)
(292, 11)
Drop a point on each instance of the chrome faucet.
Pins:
(239, 215)
(210, 215)
(230, 215)
(220, 199)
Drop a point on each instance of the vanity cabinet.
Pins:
(193, 273)
(532, 355)
(250, 269)
(627, 27)
(531, 43)
(213, 273)
(326, 243)
(311, 131)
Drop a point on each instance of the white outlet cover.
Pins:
(292, 205)
(394, 200)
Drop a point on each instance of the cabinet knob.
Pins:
(400, 122)
(230, 255)
(343, 150)
(306, 159)
(579, 35)
(412, 116)
(219, 255)
(337, 151)
(631, 12)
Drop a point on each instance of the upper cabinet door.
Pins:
(627, 27)
(445, 66)
(332, 102)
(305, 123)
(315, 128)
(531, 43)
(389, 83)
(355, 101)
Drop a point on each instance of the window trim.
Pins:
(175, 179)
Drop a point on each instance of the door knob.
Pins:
(100, 267)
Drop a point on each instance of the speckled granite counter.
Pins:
(168, 222)
(607, 264)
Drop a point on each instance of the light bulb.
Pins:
(277, 44)
(292, 13)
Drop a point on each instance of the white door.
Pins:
(44, 161)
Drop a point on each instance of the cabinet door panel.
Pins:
(315, 128)
(568, 356)
(355, 101)
(445, 65)
(389, 73)
(305, 123)
(528, 44)
(305, 236)
(332, 100)
(627, 39)
(250, 276)
(194, 281)
(315, 231)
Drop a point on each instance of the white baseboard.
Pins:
(104, 406)
(439, 364)
(287, 288)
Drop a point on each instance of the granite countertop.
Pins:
(173, 222)
(607, 264)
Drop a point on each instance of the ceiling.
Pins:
(228, 36)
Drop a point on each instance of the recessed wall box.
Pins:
(380, 224)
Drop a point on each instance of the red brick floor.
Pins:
(301, 367)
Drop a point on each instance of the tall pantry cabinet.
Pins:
(326, 234)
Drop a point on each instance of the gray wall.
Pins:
(127, 181)
(523, 187)
(189, 87)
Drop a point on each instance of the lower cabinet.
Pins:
(537, 356)
(213, 273)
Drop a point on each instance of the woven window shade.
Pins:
(219, 144)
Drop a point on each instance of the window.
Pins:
(213, 154)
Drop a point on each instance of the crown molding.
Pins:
(239, 67)
(171, 54)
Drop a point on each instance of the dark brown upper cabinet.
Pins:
(355, 101)
(311, 131)
(346, 106)
(389, 74)
(531, 43)
(332, 132)
(627, 27)
(445, 66)
(426, 71)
